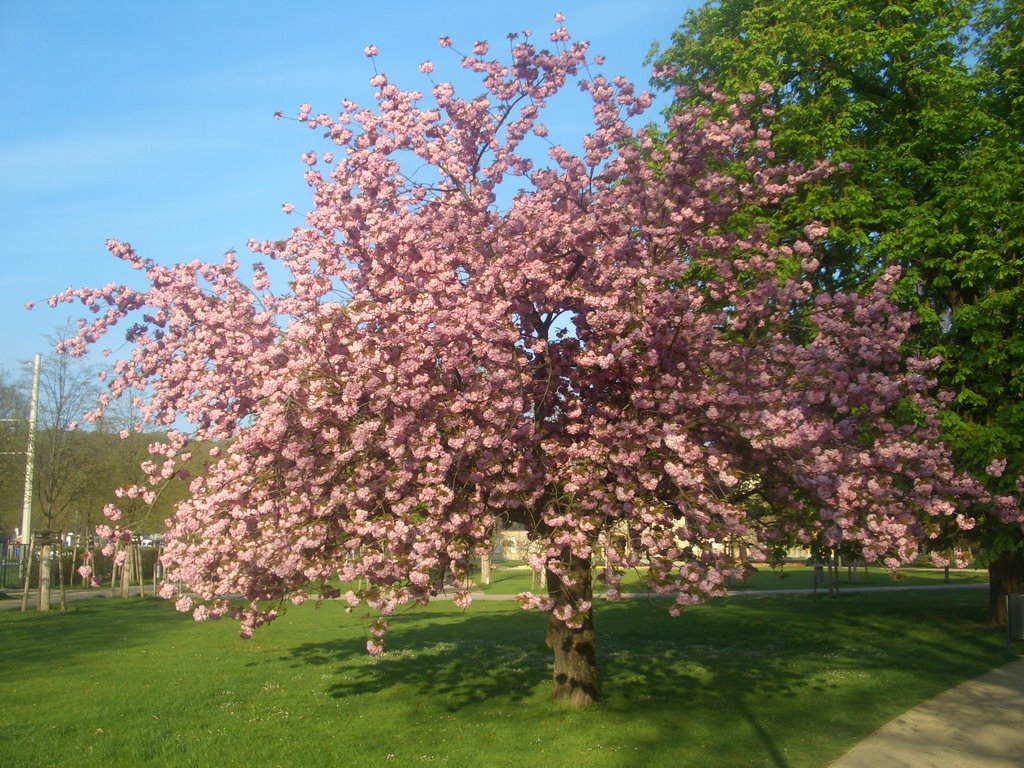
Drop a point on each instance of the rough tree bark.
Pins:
(1005, 577)
(574, 672)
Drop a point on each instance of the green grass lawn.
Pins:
(802, 577)
(758, 681)
(512, 580)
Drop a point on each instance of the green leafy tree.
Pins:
(120, 450)
(921, 104)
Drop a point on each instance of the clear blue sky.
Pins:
(152, 122)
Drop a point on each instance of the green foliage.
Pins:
(922, 104)
(98, 461)
(13, 440)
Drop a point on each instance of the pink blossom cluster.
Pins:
(606, 361)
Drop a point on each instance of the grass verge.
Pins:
(762, 681)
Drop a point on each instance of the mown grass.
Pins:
(506, 580)
(794, 576)
(757, 681)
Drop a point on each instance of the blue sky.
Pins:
(152, 122)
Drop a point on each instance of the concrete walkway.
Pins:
(977, 724)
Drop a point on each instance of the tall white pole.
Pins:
(30, 455)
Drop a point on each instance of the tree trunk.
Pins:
(45, 572)
(485, 569)
(832, 557)
(127, 571)
(575, 665)
(1005, 576)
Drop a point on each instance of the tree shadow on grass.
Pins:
(673, 672)
(792, 670)
(642, 653)
(653, 667)
(35, 639)
(770, 668)
(459, 661)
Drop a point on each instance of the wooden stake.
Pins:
(28, 572)
(60, 574)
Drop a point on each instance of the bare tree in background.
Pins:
(66, 391)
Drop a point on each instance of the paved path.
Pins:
(977, 724)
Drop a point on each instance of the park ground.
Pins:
(791, 680)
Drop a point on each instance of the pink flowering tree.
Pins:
(589, 345)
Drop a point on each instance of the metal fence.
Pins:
(10, 562)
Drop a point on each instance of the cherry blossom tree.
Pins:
(590, 345)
